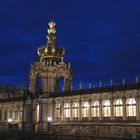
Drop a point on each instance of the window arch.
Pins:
(85, 109)
(75, 110)
(67, 110)
(131, 107)
(95, 109)
(58, 110)
(106, 108)
(118, 108)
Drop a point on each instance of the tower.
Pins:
(45, 73)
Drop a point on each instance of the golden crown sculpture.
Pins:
(51, 50)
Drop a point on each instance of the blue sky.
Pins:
(101, 38)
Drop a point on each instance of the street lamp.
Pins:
(9, 120)
(49, 121)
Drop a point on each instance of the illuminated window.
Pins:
(75, 110)
(118, 108)
(85, 109)
(58, 110)
(131, 107)
(95, 109)
(37, 113)
(67, 110)
(106, 108)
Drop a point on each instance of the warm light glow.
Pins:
(9, 120)
(85, 109)
(106, 108)
(95, 109)
(67, 110)
(49, 119)
(118, 108)
(75, 110)
(131, 107)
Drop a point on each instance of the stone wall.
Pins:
(97, 129)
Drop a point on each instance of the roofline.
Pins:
(113, 88)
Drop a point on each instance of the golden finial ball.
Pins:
(52, 24)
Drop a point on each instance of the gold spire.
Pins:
(52, 27)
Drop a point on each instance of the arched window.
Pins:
(85, 109)
(67, 110)
(75, 110)
(118, 108)
(131, 107)
(58, 110)
(106, 108)
(95, 109)
(37, 112)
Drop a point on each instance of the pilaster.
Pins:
(100, 109)
(124, 108)
(71, 103)
(137, 108)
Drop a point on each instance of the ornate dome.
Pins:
(51, 50)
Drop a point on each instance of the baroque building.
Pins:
(101, 111)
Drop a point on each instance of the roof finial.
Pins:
(90, 85)
(123, 81)
(111, 82)
(52, 27)
(80, 85)
(137, 79)
(100, 83)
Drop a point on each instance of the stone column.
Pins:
(56, 84)
(41, 115)
(33, 85)
(44, 84)
(80, 109)
(13, 114)
(45, 115)
(137, 108)
(71, 103)
(67, 85)
(100, 109)
(124, 108)
(7, 113)
(29, 118)
(112, 108)
(62, 115)
(50, 83)
(90, 102)
(2, 115)
(54, 112)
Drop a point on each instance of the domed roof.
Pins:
(51, 50)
